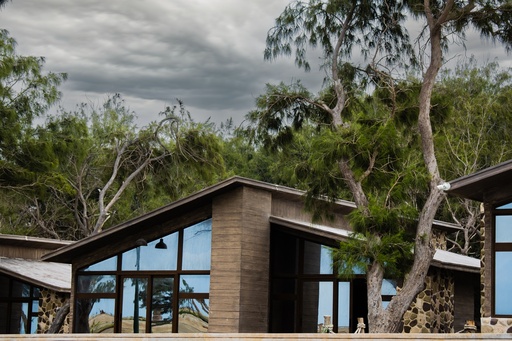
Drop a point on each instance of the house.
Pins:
(243, 256)
(493, 188)
(31, 291)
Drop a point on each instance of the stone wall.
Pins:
(49, 304)
(496, 325)
(433, 309)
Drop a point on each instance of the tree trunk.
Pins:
(59, 319)
(390, 319)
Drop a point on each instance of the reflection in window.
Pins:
(161, 305)
(503, 280)
(317, 258)
(506, 206)
(109, 264)
(146, 300)
(94, 315)
(19, 315)
(388, 291)
(503, 229)
(193, 315)
(96, 284)
(19, 305)
(317, 307)
(134, 305)
(195, 283)
(197, 245)
(151, 258)
(343, 307)
(20, 289)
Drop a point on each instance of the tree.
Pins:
(86, 170)
(26, 92)
(474, 137)
(392, 176)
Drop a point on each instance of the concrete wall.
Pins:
(239, 286)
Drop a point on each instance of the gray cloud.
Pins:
(209, 53)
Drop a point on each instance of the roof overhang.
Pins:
(35, 242)
(54, 276)
(323, 231)
(491, 185)
(453, 261)
(442, 259)
(86, 245)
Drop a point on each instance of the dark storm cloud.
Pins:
(208, 53)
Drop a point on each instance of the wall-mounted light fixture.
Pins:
(161, 244)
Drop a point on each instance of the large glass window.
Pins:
(306, 295)
(502, 249)
(159, 286)
(19, 305)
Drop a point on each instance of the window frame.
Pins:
(120, 274)
(9, 299)
(495, 248)
(300, 277)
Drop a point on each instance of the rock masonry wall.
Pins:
(49, 304)
(433, 309)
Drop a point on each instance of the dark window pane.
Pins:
(19, 318)
(503, 283)
(284, 287)
(285, 249)
(197, 246)
(343, 307)
(96, 284)
(94, 315)
(20, 289)
(317, 306)
(317, 259)
(195, 283)
(109, 264)
(134, 305)
(3, 318)
(161, 305)
(193, 315)
(4, 286)
(503, 229)
(283, 316)
(151, 258)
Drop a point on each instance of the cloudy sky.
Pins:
(208, 53)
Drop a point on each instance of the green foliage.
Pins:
(371, 25)
(392, 251)
(93, 162)
(26, 92)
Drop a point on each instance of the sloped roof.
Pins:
(29, 241)
(453, 261)
(68, 253)
(492, 185)
(442, 259)
(55, 276)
